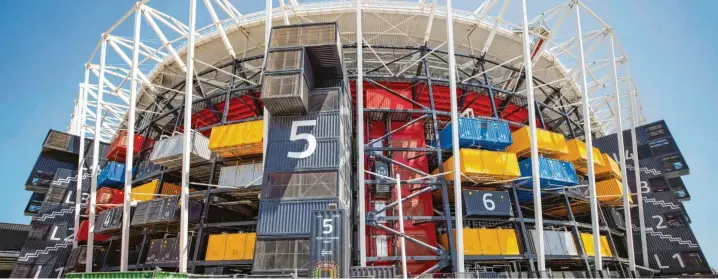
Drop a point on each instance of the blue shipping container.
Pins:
(482, 133)
(112, 175)
(552, 173)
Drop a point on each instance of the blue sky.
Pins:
(670, 45)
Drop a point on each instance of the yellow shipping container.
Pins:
(241, 139)
(489, 242)
(216, 246)
(548, 142)
(587, 240)
(508, 242)
(484, 165)
(235, 247)
(610, 191)
(577, 156)
(147, 191)
(479, 242)
(609, 170)
(249, 246)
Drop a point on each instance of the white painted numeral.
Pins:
(644, 187)
(660, 225)
(328, 226)
(658, 262)
(488, 203)
(311, 140)
(679, 259)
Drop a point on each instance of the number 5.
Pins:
(311, 140)
(327, 224)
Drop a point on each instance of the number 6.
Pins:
(488, 203)
(311, 140)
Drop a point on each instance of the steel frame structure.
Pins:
(229, 61)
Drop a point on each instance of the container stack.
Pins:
(308, 150)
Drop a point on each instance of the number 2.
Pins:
(488, 203)
(660, 224)
(327, 225)
(311, 140)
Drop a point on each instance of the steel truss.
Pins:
(221, 75)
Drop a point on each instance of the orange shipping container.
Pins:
(609, 170)
(610, 191)
(241, 139)
(148, 190)
(549, 143)
(577, 155)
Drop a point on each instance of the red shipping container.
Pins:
(105, 197)
(85, 229)
(380, 243)
(203, 118)
(118, 146)
(378, 98)
(240, 107)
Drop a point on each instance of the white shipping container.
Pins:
(241, 175)
(168, 151)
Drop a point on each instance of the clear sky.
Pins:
(670, 45)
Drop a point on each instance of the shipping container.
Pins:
(164, 210)
(556, 243)
(43, 171)
(486, 203)
(77, 259)
(167, 152)
(112, 175)
(110, 220)
(587, 239)
(330, 255)
(614, 218)
(372, 272)
(549, 143)
(272, 255)
(84, 230)
(577, 155)
(552, 173)
(487, 242)
(378, 98)
(241, 139)
(241, 175)
(610, 169)
(484, 165)
(679, 262)
(328, 100)
(118, 147)
(150, 189)
(490, 134)
(303, 185)
(290, 156)
(325, 125)
(146, 169)
(286, 94)
(56, 213)
(63, 142)
(44, 251)
(289, 218)
(105, 199)
(13, 236)
(610, 191)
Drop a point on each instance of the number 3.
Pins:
(311, 140)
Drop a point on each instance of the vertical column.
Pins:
(458, 210)
(538, 211)
(81, 160)
(267, 32)
(95, 155)
(598, 263)
(637, 170)
(622, 162)
(187, 139)
(125, 245)
(360, 138)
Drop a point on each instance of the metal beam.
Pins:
(538, 212)
(187, 140)
(360, 135)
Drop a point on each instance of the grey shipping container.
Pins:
(110, 220)
(330, 255)
(302, 185)
(146, 169)
(372, 272)
(487, 203)
(326, 155)
(164, 210)
(275, 255)
(45, 167)
(614, 218)
(168, 152)
(59, 141)
(289, 218)
(290, 61)
(77, 259)
(325, 125)
(13, 236)
(241, 175)
(325, 100)
(154, 252)
(556, 243)
(678, 262)
(286, 94)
